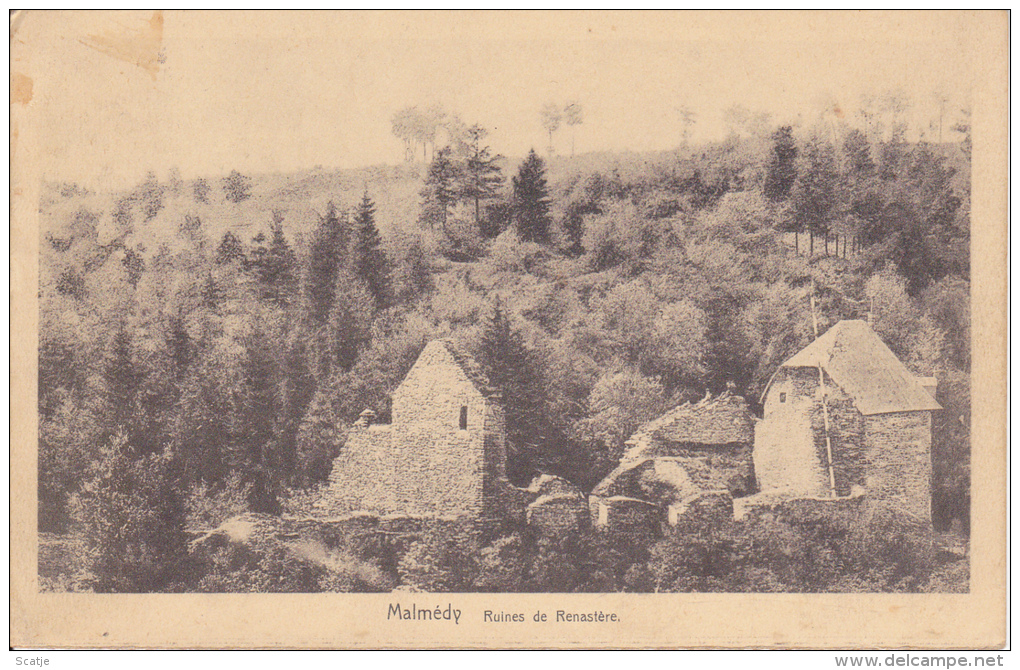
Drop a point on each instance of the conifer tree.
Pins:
(259, 452)
(121, 380)
(531, 200)
(440, 191)
(814, 192)
(230, 250)
(782, 170)
(328, 254)
(257, 256)
(275, 266)
(368, 258)
(481, 177)
(510, 369)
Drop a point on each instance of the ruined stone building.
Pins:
(443, 454)
(554, 506)
(693, 460)
(845, 416)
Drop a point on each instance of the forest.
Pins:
(205, 343)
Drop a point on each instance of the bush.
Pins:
(890, 550)
(131, 516)
(209, 506)
(443, 559)
(269, 568)
(502, 565)
(621, 235)
(508, 253)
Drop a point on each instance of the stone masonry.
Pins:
(442, 455)
(879, 425)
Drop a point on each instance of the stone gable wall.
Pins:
(423, 463)
(639, 520)
(790, 451)
(437, 467)
(785, 455)
(899, 462)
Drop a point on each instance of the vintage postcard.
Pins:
(508, 329)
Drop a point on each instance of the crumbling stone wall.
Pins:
(785, 455)
(898, 450)
(558, 516)
(555, 507)
(790, 451)
(714, 467)
(442, 455)
(713, 508)
(838, 514)
(625, 516)
(721, 420)
(362, 474)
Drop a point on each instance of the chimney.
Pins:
(365, 419)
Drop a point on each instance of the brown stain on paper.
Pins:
(21, 88)
(139, 47)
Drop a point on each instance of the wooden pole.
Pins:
(825, 408)
(828, 440)
(814, 317)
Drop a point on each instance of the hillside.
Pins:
(227, 337)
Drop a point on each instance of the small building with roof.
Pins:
(443, 455)
(692, 460)
(845, 416)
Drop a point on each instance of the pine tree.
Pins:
(275, 267)
(230, 250)
(262, 411)
(348, 326)
(368, 258)
(257, 256)
(121, 380)
(212, 294)
(328, 254)
(782, 169)
(857, 155)
(509, 366)
(440, 191)
(296, 391)
(814, 192)
(481, 178)
(531, 200)
(179, 345)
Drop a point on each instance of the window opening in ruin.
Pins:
(463, 417)
(782, 397)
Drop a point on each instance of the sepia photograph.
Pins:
(328, 303)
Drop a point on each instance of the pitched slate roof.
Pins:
(721, 419)
(859, 362)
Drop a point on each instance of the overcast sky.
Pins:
(282, 92)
